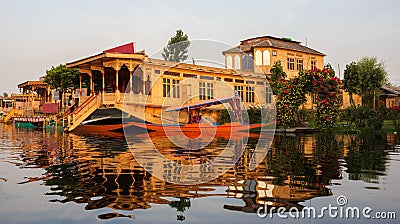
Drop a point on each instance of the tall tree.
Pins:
(5, 94)
(374, 76)
(277, 76)
(365, 77)
(352, 80)
(177, 48)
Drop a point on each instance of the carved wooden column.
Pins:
(116, 83)
(103, 90)
(101, 70)
(80, 88)
(91, 83)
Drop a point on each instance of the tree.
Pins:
(177, 47)
(277, 76)
(61, 77)
(352, 80)
(5, 94)
(374, 76)
(365, 77)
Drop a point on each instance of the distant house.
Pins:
(390, 96)
(6, 104)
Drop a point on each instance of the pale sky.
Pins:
(38, 34)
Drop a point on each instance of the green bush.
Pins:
(394, 117)
(363, 118)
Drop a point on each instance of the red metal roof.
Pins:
(123, 49)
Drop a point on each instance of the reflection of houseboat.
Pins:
(258, 193)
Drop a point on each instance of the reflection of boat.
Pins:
(197, 124)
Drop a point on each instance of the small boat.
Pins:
(197, 124)
(29, 122)
(229, 127)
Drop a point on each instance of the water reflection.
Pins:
(100, 171)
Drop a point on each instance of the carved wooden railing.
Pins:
(83, 111)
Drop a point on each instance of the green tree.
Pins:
(352, 80)
(277, 76)
(373, 75)
(5, 94)
(366, 77)
(61, 77)
(177, 48)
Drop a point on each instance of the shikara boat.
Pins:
(196, 124)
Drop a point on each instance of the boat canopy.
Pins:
(201, 104)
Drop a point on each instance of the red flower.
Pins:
(286, 91)
(290, 86)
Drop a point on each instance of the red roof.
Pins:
(123, 49)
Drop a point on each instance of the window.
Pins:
(171, 84)
(175, 89)
(239, 91)
(206, 90)
(239, 80)
(266, 58)
(244, 61)
(247, 62)
(290, 63)
(313, 99)
(274, 53)
(249, 81)
(205, 77)
(172, 73)
(313, 65)
(157, 71)
(269, 94)
(228, 62)
(187, 75)
(299, 64)
(228, 80)
(259, 58)
(237, 62)
(249, 94)
(166, 87)
(260, 83)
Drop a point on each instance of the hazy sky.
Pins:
(38, 34)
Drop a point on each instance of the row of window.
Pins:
(171, 89)
(299, 64)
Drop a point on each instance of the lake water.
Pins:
(55, 177)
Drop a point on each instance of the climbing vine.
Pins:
(291, 94)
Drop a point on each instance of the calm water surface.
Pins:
(51, 177)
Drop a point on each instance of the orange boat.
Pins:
(197, 125)
(229, 127)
